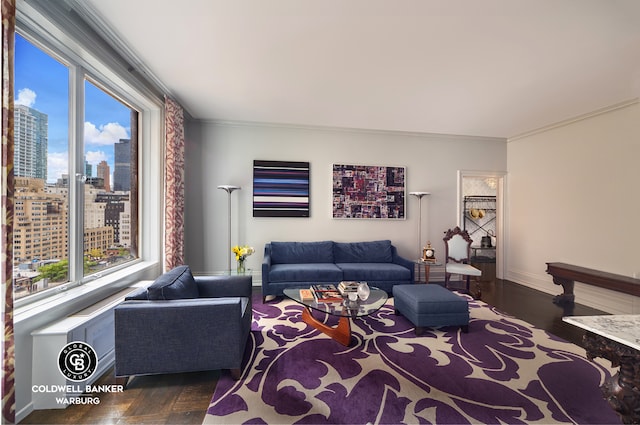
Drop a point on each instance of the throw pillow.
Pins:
(175, 284)
(139, 294)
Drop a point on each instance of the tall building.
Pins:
(126, 233)
(115, 206)
(93, 211)
(41, 229)
(103, 172)
(88, 169)
(31, 129)
(122, 166)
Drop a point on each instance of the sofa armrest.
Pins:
(224, 286)
(266, 264)
(397, 259)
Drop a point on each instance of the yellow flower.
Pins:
(242, 252)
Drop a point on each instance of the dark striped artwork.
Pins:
(280, 189)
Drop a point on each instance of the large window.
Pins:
(76, 168)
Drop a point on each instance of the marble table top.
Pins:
(622, 328)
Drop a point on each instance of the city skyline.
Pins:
(42, 83)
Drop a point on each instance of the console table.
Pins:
(617, 339)
(566, 274)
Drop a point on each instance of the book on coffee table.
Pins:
(322, 287)
(348, 286)
(306, 295)
(328, 296)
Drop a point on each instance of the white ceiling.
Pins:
(494, 68)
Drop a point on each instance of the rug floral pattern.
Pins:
(502, 371)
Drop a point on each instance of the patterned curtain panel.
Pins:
(174, 196)
(7, 185)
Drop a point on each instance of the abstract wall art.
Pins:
(280, 189)
(368, 191)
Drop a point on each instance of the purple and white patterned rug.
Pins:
(504, 371)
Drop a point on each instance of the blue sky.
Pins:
(42, 83)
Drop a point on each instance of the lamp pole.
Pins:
(419, 195)
(229, 189)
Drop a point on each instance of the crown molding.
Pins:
(573, 120)
(308, 127)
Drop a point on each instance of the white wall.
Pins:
(573, 197)
(223, 153)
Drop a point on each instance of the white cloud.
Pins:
(57, 165)
(26, 97)
(105, 135)
(95, 157)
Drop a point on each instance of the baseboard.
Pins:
(541, 283)
(612, 302)
(24, 412)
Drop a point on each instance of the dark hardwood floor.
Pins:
(180, 398)
(536, 308)
(184, 398)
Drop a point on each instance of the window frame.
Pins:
(66, 38)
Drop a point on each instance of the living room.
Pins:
(567, 181)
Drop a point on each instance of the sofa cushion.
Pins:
(175, 284)
(372, 272)
(310, 272)
(363, 252)
(301, 252)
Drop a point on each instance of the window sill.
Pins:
(68, 301)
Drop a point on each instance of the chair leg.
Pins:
(477, 293)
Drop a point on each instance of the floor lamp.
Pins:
(419, 195)
(229, 189)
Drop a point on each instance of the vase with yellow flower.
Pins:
(242, 252)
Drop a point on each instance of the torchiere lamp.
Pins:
(229, 189)
(419, 195)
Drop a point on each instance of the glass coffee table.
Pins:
(344, 309)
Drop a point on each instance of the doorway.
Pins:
(481, 213)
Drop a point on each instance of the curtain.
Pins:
(7, 189)
(174, 184)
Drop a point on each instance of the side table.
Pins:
(427, 268)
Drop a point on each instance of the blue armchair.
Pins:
(183, 323)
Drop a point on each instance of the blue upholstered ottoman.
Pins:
(431, 305)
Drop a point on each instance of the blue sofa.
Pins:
(298, 264)
(182, 323)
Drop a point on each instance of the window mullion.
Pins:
(77, 175)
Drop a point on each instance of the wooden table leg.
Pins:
(427, 269)
(567, 297)
(622, 390)
(341, 333)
